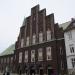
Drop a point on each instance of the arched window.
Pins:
(40, 37)
(48, 35)
(20, 57)
(32, 55)
(27, 41)
(48, 53)
(22, 42)
(34, 39)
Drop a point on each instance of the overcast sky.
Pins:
(12, 13)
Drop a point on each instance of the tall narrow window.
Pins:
(48, 53)
(26, 56)
(61, 51)
(4, 60)
(32, 55)
(71, 48)
(48, 35)
(8, 60)
(11, 59)
(62, 65)
(34, 39)
(73, 62)
(70, 35)
(22, 42)
(20, 57)
(1, 60)
(27, 41)
(40, 37)
(40, 54)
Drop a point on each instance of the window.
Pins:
(73, 62)
(62, 65)
(20, 57)
(61, 51)
(33, 56)
(48, 53)
(8, 60)
(72, 48)
(26, 56)
(70, 35)
(4, 60)
(22, 42)
(40, 37)
(11, 59)
(27, 41)
(40, 54)
(48, 35)
(34, 39)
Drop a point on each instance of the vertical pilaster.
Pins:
(44, 23)
(31, 30)
(25, 33)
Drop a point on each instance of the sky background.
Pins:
(13, 12)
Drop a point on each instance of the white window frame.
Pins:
(48, 35)
(11, 59)
(22, 42)
(27, 41)
(73, 62)
(70, 35)
(48, 53)
(40, 54)
(20, 57)
(26, 56)
(61, 51)
(32, 55)
(40, 37)
(72, 50)
(34, 39)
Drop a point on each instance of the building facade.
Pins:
(40, 47)
(69, 35)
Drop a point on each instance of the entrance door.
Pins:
(50, 72)
(32, 72)
(41, 71)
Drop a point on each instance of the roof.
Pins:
(65, 25)
(9, 50)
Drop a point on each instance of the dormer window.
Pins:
(22, 42)
(48, 35)
(27, 41)
(40, 37)
(34, 39)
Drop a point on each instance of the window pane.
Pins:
(26, 56)
(40, 54)
(20, 57)
(48, 53)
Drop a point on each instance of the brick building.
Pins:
(40, 47)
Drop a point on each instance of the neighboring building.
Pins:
(40, 47)
(69, 35)
(6, 59)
